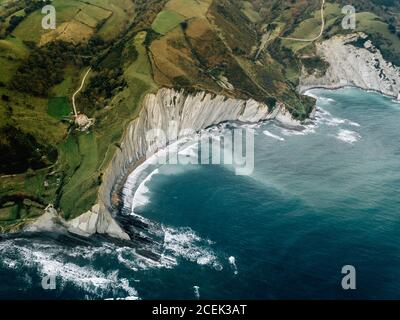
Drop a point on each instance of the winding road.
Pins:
(322, 28)
(77, 91)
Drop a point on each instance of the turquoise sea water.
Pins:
(317, 200)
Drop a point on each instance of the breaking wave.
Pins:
(141, 197)
(69, 266)
(232, 261)
(185, 243)
(348, 136)
(274, 136)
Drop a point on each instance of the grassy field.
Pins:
(68, 86)
(310, 28)
(59, 107)
(31, 28)
(30, 113)
(189, 8)
(77, 21)
(166, 21)
(83, 151)
(123, 11)
(12, 52)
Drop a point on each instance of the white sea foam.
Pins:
(179, 243)
(196, 292)
(136, 181)
(232, 261)
(348, 136)
(354, 124)
(75, 265)
(319, 98)
(141, 197)
(325, 117)
(50, 260)
(308, 93)
(185, 243)
(135, 191)
(308, 129)
(338, 121)
(131, 260)
(274, 136)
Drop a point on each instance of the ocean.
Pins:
(318, 199)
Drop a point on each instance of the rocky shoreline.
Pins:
(352, 66)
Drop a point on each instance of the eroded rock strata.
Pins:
(352, 65)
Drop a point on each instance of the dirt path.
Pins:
(322, 28)
(77, 91)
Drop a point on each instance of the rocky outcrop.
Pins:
(194, 112)
(87, 224)
(351, 65)
(96, 220)
(50, 221)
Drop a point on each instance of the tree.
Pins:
(14, 22)
(392, 28)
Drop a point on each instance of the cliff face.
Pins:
(194, 112)
(362, 67)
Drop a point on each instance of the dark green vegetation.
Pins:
(59, 107)
(134, 47)
(42, 70)
(20, 151)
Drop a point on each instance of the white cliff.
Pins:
(194, 112)
(353, 66)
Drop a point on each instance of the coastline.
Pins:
(304, 89)
(117, 193)
(351, 66)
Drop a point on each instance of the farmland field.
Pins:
(166, 21)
